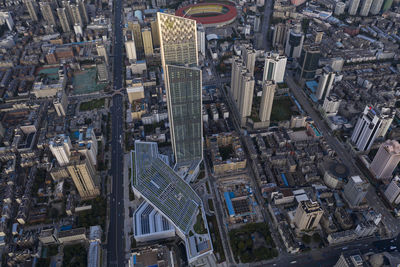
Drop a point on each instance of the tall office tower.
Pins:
(387, 116)
(238, 69)
(325, 83)
(365, 7)
(294, 42)
(249, 57)
(366, 129)
(279, 35)
(32, 9)
(201, 39)
(339, 8)
(47, 13)
(154, 33)
(179, 58)
(353, 6)
(134, 26)
(386, 160)
(60, 103)
(102, 52)
(355, 190)
(246, 92)
(82, 10)
(274, 67)
(308, 214)
(147, 42)
(309, 62)
(387, 4)
(84, 176)
(350, 259)
(376, 7)
(267, 100)
(76, 15)
(6, 18)
(63, 17)
(392, 192)
(130, 50)
(61, 147)
(318, 36)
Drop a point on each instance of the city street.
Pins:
(115, 245)
(373, 200)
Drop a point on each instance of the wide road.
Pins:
(266, 22)
(115, 242)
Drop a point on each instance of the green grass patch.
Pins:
(199, 225)
(281, 109)
(216, 237)
(252, 242)
(75, 255)
(93, 104)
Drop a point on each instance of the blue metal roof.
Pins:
(229, 204)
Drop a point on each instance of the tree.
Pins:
(306, 239)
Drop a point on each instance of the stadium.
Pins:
(209, 14)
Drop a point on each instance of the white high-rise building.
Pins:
(392, 192)
(267, 100)
(237, 70)
(365, 7)
(6, 18)
(386, 160)
(102, 52)
(130, 51)
(325, 83)
(339, 8)
(274, 67)
(331, 105)
(61, 147)
(353, 6)
(249, 57)
(376, 7)
(366, 129)
(47, 13)
(246, 95)
(201, 39)
(387, 115)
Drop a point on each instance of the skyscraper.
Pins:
(237, 69)
(274, 67)
(47, 13)
(387, 116)
(355, 190)
(365, 7)
(366, 129)
(267, 100)
(279, 35)
(84, 176)
(154, 33)
(325, 83)
(179, 58)
(76, 15)
(201, 39)
(392, 192)
(309, 60)
(61, 147)
(386, 160)
(32, 9)
(294, 42)
(308, 214)
(376, 7)
(353, 6)
(64, 20)
(339, 8)
(147, 42)
(134, 26)
(82, 10)
(246, 92)
(249, 57)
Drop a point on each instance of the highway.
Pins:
(115, 241)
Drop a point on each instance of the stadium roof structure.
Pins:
(164, 189)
